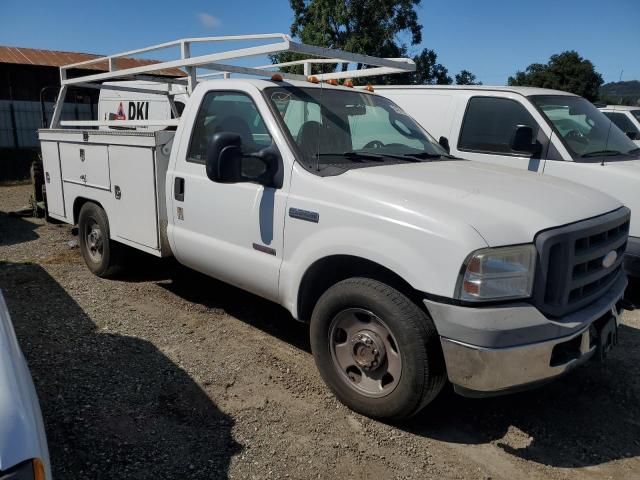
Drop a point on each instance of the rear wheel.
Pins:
(101, 254)
(377, 351)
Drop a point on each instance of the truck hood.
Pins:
(504, 205)
(621, 178)
(21, 428)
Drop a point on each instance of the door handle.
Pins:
(178, 189)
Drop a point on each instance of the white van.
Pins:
(535, 129)
(626, 118)
(121, 101)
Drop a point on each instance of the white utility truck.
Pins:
(412, 267)
(545, 131)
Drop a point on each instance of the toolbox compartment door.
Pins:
(52, 178)
(134, 213)
(85, 164)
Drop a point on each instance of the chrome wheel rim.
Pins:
(94, 241)
(365, 352)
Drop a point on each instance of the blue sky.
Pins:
(492, 38)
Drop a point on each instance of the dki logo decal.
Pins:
(138, 110)
(120, 113)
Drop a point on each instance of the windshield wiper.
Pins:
(428, 156)
(376, 157)
(602, 153)
(355, 156)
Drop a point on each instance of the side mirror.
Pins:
(264, 167)
(226, 163)
(444, 143)
(523, 140)
(224, 155)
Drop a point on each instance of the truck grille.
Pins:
(571, 273)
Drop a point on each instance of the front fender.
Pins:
(427, 262)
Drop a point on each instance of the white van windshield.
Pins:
(339, 128)
(586, 131)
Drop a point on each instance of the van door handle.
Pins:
(178, 189)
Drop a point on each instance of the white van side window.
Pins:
(490, 122)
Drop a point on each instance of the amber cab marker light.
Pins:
(369, 88)
(38, 469)
(348, 83)
(332, 81)
(313, 79)
(276, 77)
(471, 288)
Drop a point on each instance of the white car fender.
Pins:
(22, 435)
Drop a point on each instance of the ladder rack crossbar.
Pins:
(187, 64)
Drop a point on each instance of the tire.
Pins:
(348, 325)
(37, 179)
(102, 255)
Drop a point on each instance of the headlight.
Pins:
(498, 274)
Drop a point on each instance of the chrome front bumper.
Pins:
(478, 371)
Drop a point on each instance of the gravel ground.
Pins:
(168, 374)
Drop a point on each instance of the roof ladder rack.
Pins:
(218, 62)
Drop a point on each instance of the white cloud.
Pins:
(208, 21)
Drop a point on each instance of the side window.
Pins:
(489, 124)
(622, 122)
(227, 112)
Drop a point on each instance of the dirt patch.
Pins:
(165, 373)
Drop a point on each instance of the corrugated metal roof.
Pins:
(53, 58)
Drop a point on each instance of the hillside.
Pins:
(626, 93)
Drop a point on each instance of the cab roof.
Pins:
(623, 108)
(524, 91)
(261, 84)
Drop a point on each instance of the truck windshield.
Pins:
(586, 132)
(343, 129)
(636, 113)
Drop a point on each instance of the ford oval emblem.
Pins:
(609, 259)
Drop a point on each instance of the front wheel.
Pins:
(377, 351)
(101, 254)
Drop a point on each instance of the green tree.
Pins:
(428, 71)
(379, 28)
(465, 77)
(566, 71)
(362, 26)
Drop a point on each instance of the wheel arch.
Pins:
(327, 271)
(78, 204)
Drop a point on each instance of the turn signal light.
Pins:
(276, 77)
(313, 79)
(471, 288)
(38, 469)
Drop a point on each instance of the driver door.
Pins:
(230, 231)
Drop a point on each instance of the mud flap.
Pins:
(607, 338)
